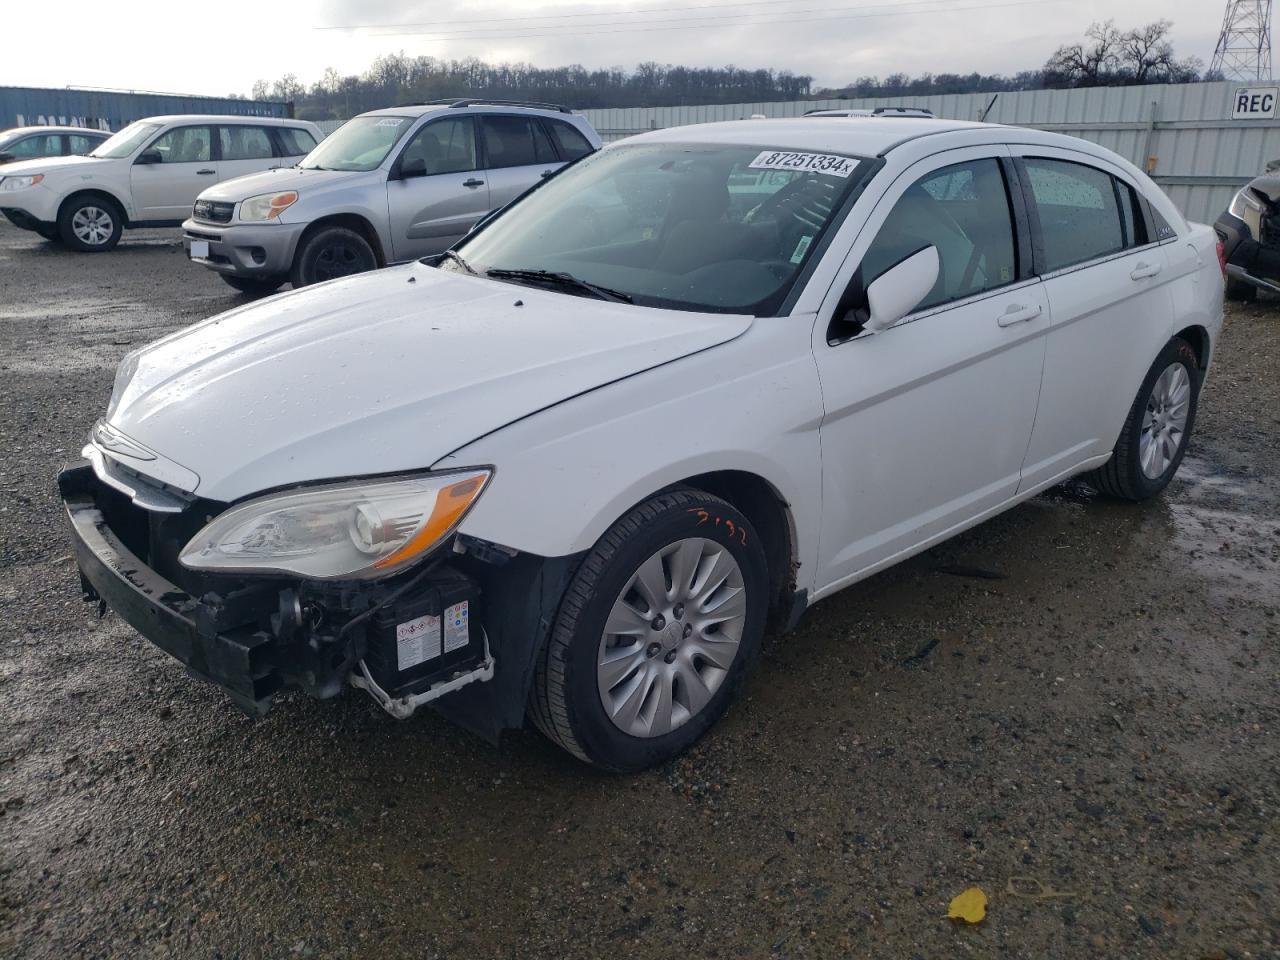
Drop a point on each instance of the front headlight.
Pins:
(1244, 201)
(341, 531)
(20, 183)
(267, 206)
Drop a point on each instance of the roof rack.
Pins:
(871, 112)
(454, 102)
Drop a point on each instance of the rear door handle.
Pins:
(206, 172)
(473, 182)
(1144, 271)
(1019, 314)
(548, 173)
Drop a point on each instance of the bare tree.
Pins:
(1146, 53)
(1087, 64)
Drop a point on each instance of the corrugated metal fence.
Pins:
(113, 109)
(1182, 134)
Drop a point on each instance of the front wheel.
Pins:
(253, 286)
(1155, 434)
(329, 253)
(90, 224)
(655, 634)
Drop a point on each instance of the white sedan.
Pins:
(575, 467)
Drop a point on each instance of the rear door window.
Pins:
(295, 141)
(1079, 208)
(239, 142)
(962, 211)
(508, 142)
(77, 144)
(572, 143)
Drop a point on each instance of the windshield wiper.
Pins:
(562, 281)
(450, 255)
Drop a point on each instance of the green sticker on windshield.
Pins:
(801, 247)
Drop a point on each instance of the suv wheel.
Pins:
(329, 253)
(655, 633)
(90, 224)
(253, 286)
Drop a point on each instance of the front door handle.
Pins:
(473, 182)
(1144, 271)
(1019, 314)
(206, 172)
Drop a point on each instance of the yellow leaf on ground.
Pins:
(970, 906)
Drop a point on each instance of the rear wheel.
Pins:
(329, 253)
(1155, 435)
(90, 224)
(655, 634)
(1241, 292)
(253, 286)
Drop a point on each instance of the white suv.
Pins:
(147, 175)
(388, 186)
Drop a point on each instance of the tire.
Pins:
(90, 223)
(253, 286)
(719, 549)
(1128, 475)
(329, 253)
(1241, 292)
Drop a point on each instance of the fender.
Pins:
(565, 475)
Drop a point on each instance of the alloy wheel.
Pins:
(92, 226)
(1164, 425)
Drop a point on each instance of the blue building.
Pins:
(113, 109)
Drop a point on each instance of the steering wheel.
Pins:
(769, 207)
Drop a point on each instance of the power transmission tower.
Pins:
(1244, 49)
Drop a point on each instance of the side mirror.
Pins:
(413, 167)
(5, 157)
(149, 156)
(899, 290)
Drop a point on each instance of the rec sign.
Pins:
(1255, 103)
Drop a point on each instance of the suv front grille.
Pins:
(213, 211)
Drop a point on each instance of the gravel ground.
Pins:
(1091, 737)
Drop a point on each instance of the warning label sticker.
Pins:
(457, 626)
(417, 641)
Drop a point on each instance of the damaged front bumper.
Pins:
(256, 639)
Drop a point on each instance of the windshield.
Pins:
(126, 141)
(359, 144)
(690, 226)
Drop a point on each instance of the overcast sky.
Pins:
(222, 48)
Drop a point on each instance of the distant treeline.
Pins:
(1107, 57)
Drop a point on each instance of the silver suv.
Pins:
(387, 186)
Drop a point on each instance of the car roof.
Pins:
(24, 131)
(225, 118)
(862, 136)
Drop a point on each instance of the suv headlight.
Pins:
(20, 183)
(1244, 201)
(267, 206)
(341, 531)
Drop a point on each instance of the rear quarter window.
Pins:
(571, 143)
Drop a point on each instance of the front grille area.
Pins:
(213, 211)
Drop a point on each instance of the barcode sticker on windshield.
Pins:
(828, 163)
(390, 122)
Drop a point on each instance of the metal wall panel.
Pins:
(111, 109)
(1181, 133)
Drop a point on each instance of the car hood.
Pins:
(384, 372)
(270, 181)
(48, 165)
